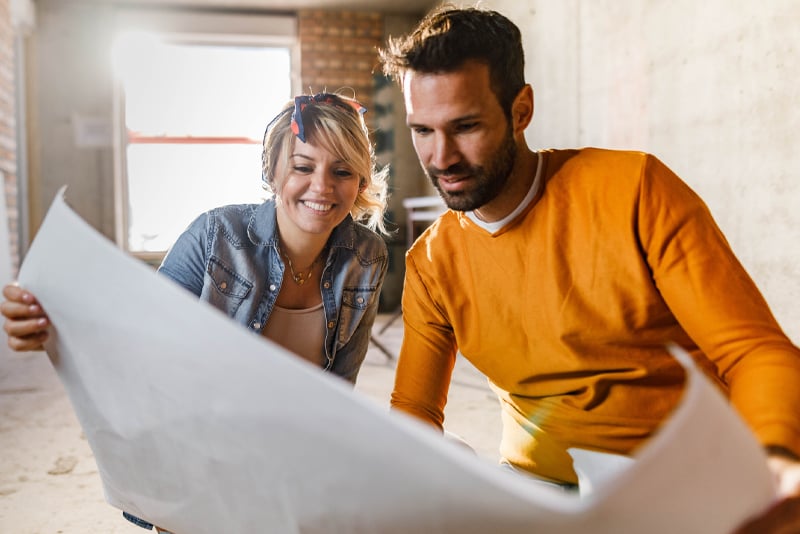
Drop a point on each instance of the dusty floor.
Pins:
(48, 478)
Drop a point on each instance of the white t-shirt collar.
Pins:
(494, 226)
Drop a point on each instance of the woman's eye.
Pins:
(303, 169)
(343, 173)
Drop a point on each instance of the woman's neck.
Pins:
(301, 254)
(302, 248)
(303, 260)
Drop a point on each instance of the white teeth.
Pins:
(316, 206)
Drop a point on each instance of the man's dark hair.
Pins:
(448, 37)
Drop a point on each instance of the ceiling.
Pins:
(384, 6)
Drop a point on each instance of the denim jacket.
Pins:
(229, 258)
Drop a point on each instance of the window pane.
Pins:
(176, 183)
(183, 90)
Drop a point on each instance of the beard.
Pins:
(490, 179)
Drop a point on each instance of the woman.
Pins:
(297, 268)
(305, 267)
(306, 260)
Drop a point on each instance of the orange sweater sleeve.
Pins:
(720, 307)
(428, 353)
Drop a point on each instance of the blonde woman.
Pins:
(305, 267)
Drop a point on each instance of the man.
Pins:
(562, 274)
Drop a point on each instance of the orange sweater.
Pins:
(567, 310)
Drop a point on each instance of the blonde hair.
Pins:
(336, 126)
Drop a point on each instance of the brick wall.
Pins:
(338, 51)
(8, 145)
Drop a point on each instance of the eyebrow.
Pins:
(309, 158)
(463, 118)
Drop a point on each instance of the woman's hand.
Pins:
(25, 321)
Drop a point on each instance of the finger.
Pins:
(15, 293)
(17, 310)
(27, 327)
(28, 343)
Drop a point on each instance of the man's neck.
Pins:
(518, 185)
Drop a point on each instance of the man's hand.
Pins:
(786, 468)
(26, 323)
(784, 516)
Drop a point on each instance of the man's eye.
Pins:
(466, 126)
(421, 131)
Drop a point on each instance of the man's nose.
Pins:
(445, 152)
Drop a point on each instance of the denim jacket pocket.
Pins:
(358, 298)
(228, 289)
(355, 302)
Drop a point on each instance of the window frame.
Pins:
(187, 28)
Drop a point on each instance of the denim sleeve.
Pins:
(185, 262)
(350, 357)
(136, 521)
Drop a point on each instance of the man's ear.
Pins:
(522, 109)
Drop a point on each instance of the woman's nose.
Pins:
(321, 181)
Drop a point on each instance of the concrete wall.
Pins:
(710, 87)
(70, 78)
(16, 19)
(8, 133)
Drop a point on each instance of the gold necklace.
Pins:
(298, 277)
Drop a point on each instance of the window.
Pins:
(192, 114)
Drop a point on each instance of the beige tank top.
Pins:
(299, 331)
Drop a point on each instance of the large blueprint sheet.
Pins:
(203, 427)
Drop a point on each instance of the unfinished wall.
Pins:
(337, 51)
(71, 79)
(709, 87)
(8, 132)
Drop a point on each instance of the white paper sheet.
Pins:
(200, 426)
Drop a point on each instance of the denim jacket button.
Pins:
(331, 324)
(223, 285)
(327, 284)
(272, 287)
(360, 300)
(256, 325)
